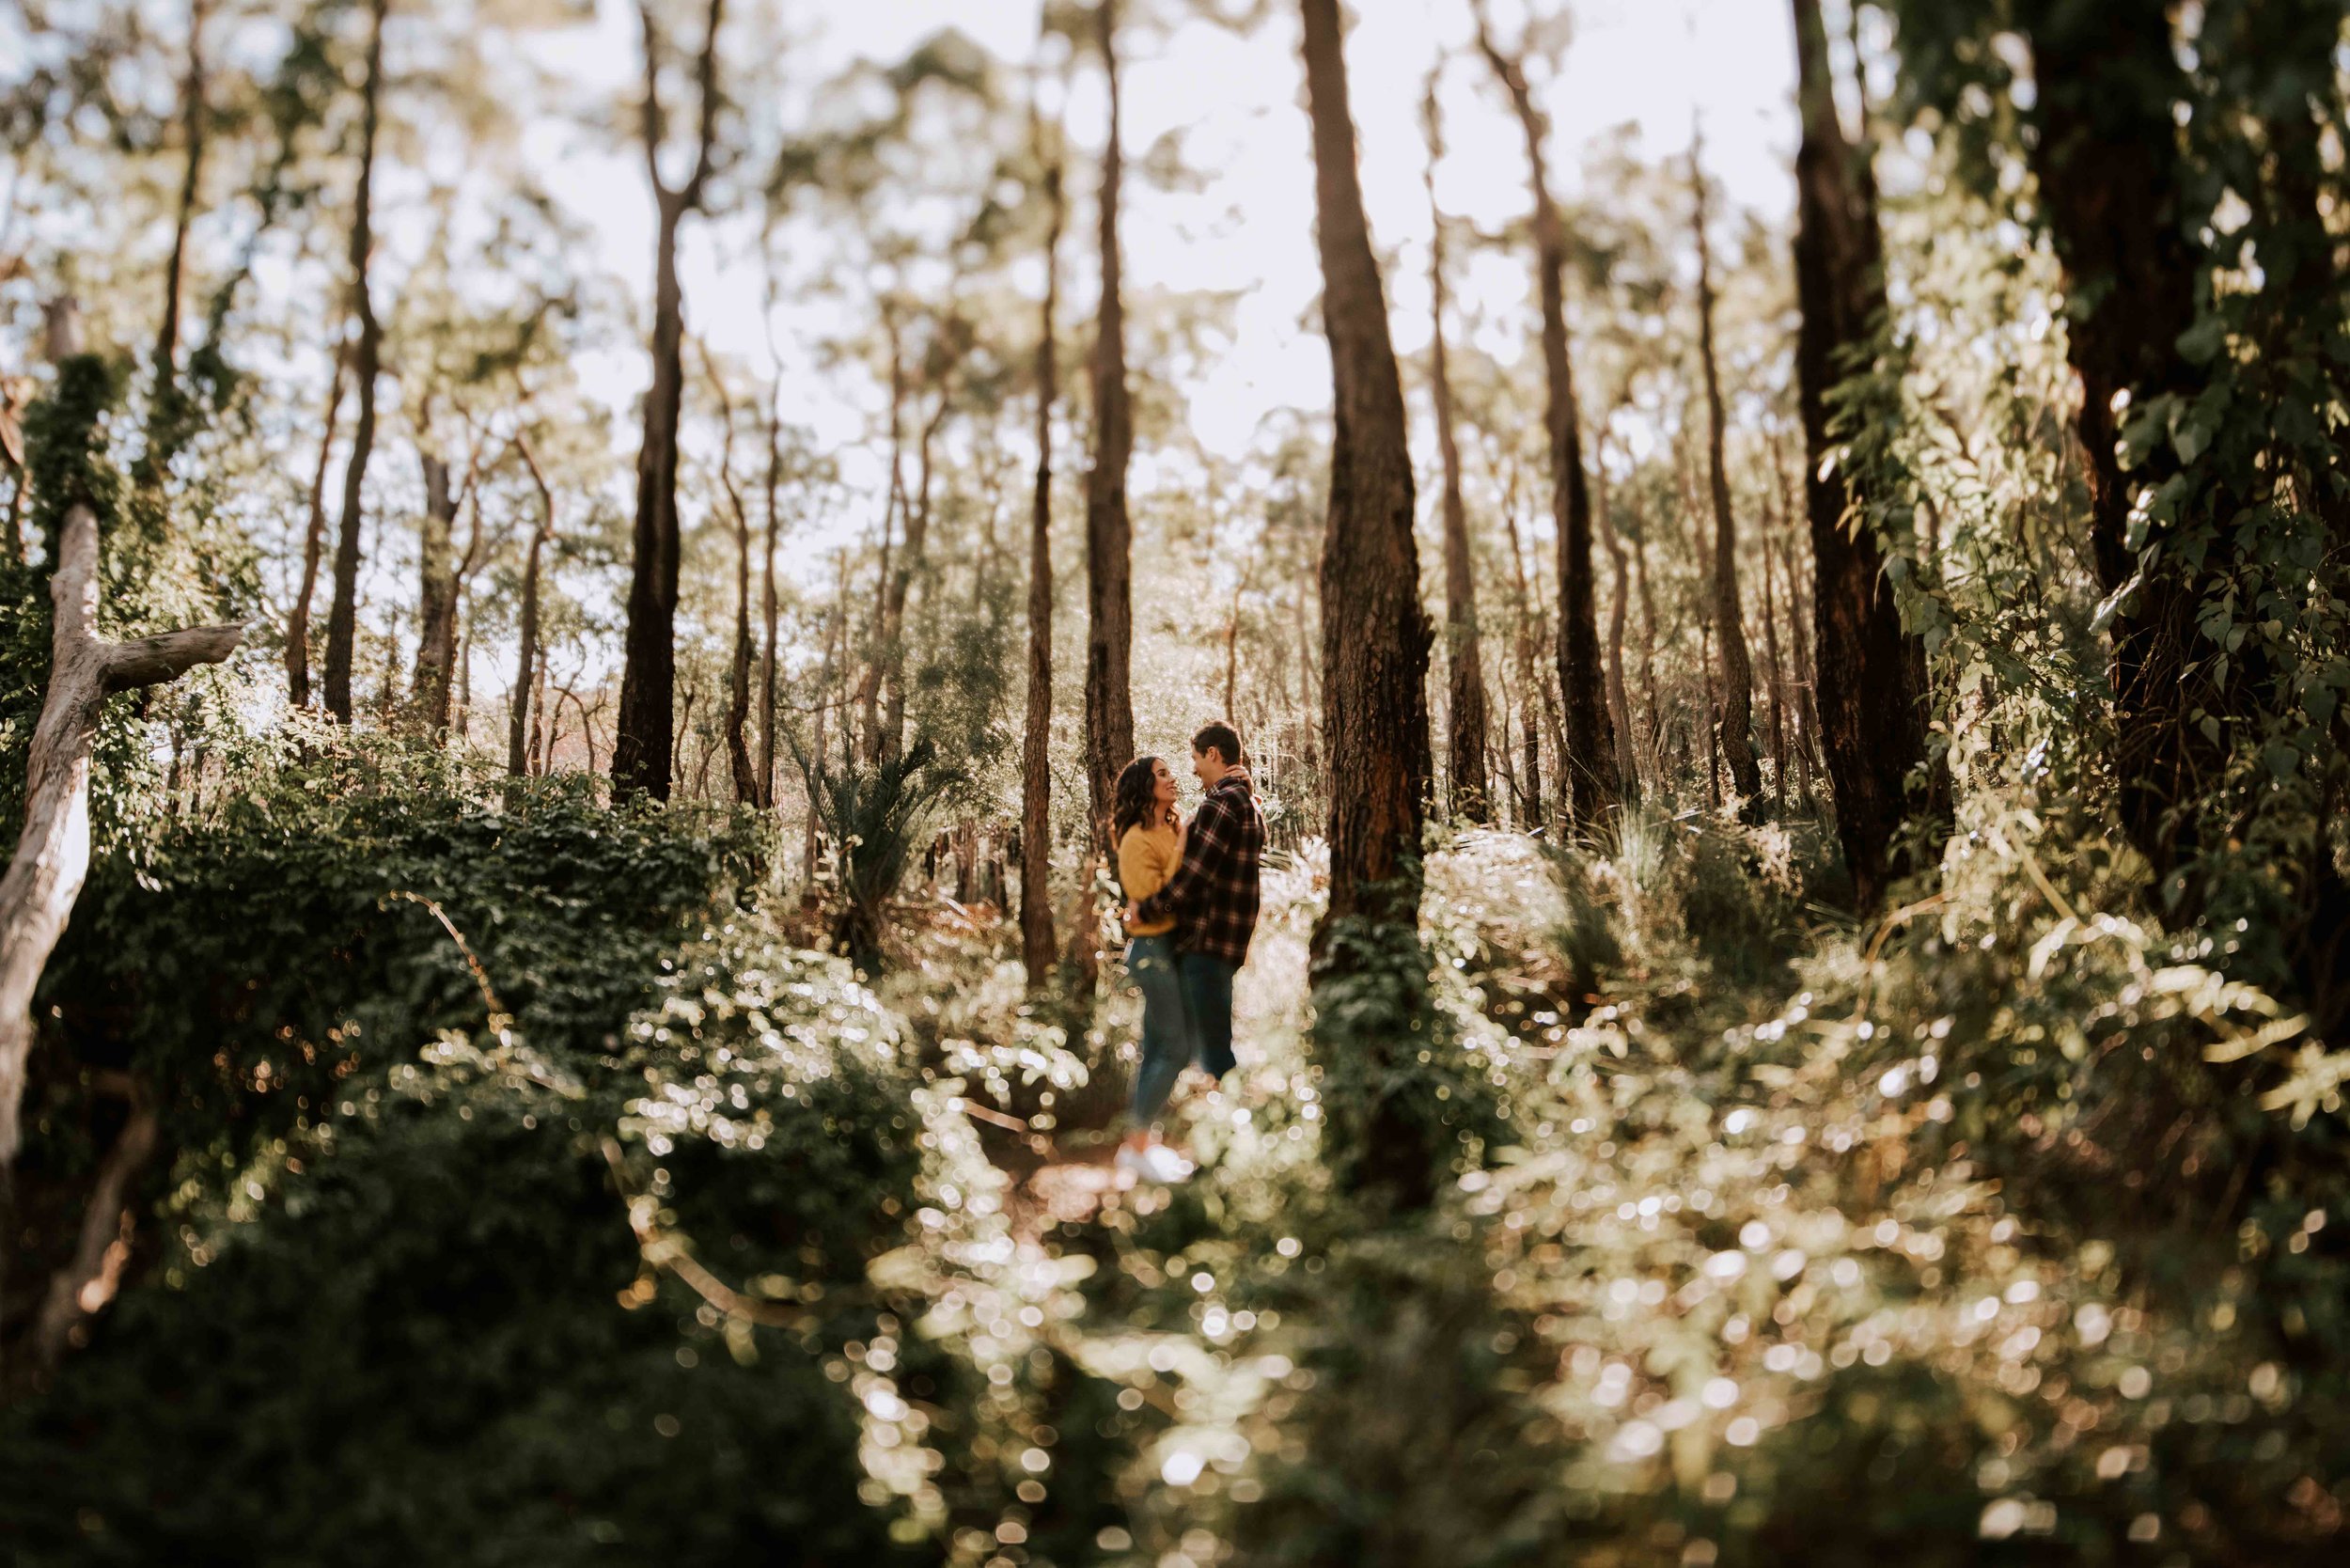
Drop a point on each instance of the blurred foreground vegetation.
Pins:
(1759, 1236)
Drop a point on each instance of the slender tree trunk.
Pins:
(313, 545)
(342, 619)
(163, 426)
(436, 596)
(1036, 773)
(641, 757)
(1870, 677)
(1529, 678)
(746, 773)
(1464, 656)
(1619, 704)
(1588, 764)
(1375, 637)
(767, 603)
(1735, 718)
(910, 566)
(526, 654)
(870, 684)
(1777, 673)
(1109, 602)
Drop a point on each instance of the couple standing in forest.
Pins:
(1191, 907)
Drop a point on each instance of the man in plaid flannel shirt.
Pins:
(1213, 894)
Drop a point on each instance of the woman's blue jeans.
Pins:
(1167, 1041)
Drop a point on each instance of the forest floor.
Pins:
(1741, 1252)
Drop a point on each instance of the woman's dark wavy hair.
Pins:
(1131, 802)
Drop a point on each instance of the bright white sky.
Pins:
(1239, 102)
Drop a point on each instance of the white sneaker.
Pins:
(1154, 1162)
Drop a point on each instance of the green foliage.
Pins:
(874, 814)
(385, 1311)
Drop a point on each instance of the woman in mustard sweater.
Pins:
(1150, 838)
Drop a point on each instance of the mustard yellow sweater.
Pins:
(1146, 856)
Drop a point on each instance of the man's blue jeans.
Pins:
(1207, 982)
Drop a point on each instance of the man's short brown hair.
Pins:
(1218, 737)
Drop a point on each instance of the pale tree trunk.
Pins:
(526, 659)
(1736, 714)
(1036, 775)
(1375, 637)
(342, 618)
(53, 851)
(1109, 590)
(313, 546)
(641, 748)
(94, 1273)
(1777, 670)
(1586, 765)
(436, 596)
(1464, 656)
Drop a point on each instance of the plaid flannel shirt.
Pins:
(1213, 894)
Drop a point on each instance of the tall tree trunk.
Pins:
(1587, 765)
(893, 503)
(163, 415)
(1464, 658)
(910, 566)
(342, 618)
(1735, 716)
(1109, 592)
(436, 596)
(1777, 670)
(1036, 772)
(2112, 184)
(1870, 677)
(526, 654)
(739, 762)
(313, 545)
(641, 746)
(767, 711)
(1375, 637)
(1619, 704)
(1527, 642)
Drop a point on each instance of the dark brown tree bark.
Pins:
(1110, 565)
(1375, 638)
(1776, 669)
(1465, 712)
(1036, 772)
(2113, 187)
(641, 748)
(1870, 678)
(1528, 641)
(342, 618)
(193, 115)
(893, 503)
(1735, 718)
(767, 711)
(313, 546)
(526, 654)
(1587, 766)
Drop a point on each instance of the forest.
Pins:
(1744, 605)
